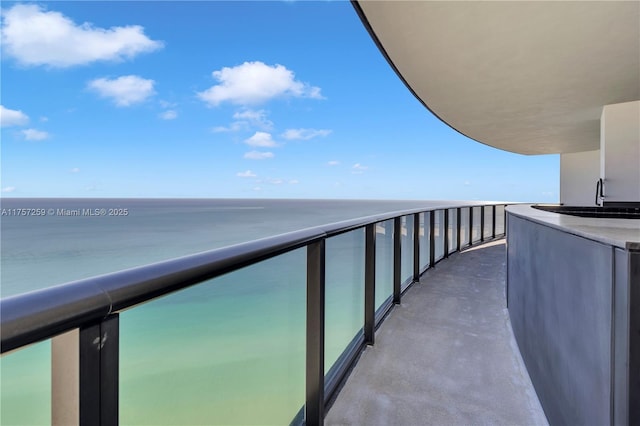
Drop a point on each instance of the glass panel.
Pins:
(25, 386)
(488, 221)
(406, 270)
(476, 224)
(344, 294)
(384, 261)
(227, 351)
(499, 220)
(453, 230)
(424, 241)
(438, 229)
(464, 227)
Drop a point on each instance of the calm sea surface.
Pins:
(42, 251)
(229, 351)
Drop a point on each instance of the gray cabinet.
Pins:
(573, 304)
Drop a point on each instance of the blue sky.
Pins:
(228, 99)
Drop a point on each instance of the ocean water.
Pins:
(228, 351)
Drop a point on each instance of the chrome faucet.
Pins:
(600, 192)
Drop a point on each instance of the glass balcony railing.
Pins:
(439, 234)
(464, 232)
(452, 231)
(344, 293)
(487, 222)
(25, 386)
(500, 220)
(273, 325)
(424, 238)
(476, 227)
(407, 237)
(384, 263)
(244, 348)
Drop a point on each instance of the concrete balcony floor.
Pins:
(446, 355)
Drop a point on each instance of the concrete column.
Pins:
(620, 151)
(579, 172)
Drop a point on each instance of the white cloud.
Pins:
(11, 117)
(8, 189)
(124, 91)
(255, 83)
(34, 36)
(169, 115)
(275, 181)
(294, 181)
(246, 119)
(333, 163)
(261, 139)
(257, 155)
(44, 119)
(75, 170)
(234, 127)
(35, 135)
(254, 118)
(304, 134)
(247, 174)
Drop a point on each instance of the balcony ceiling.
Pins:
(523, 76)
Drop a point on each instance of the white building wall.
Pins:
(579, 173)
(620, 151)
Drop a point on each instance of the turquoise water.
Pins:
(228, 351)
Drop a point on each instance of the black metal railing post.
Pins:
(314, 413)
(370, 284)
(416, 247)
(445, 213)
(493, 221)
(432, 238)
(458, 227)
(397, 259)
(481, 223)
(470, 226)
(99, 355)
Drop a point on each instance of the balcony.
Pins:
(108, 334)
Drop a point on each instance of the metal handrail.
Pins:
(32, 317)
(38, 315)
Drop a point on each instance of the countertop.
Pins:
(623, 233)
